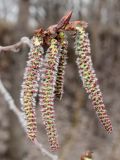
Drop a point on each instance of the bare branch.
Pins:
(19, 114)
(45, 152)
(12, 105)
(17, 46)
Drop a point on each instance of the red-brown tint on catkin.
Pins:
(46, 93)
(88, 76)
(30, 85)
(62, 64)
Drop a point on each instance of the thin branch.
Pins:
(11, 103)
(17, 46)
(19, 114)
(45, 152)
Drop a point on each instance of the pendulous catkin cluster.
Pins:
(62, 64)
(46, 93)
(88, 76)
(30, 85)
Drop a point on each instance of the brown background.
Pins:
(78, 127)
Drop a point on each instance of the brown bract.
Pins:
(63, 24)
(87, 155)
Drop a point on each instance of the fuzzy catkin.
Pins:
(88, 76)
(62, 64)
(46, 95)
(30, 85)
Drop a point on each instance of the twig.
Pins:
(19, 114)
(12, 105)
(45, 152)
(16, 47)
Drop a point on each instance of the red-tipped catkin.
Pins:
(47, 89)
(62, 64)
(88, 76)
(30, 85)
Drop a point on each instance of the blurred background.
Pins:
(78, 127)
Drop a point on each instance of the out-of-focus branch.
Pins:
(17, 46)
(11, 104)
(19, 114)
(45, 152)
(115, 31)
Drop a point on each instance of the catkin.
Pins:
(62, 64)
(30, 85)
(88, 76)
(46, 94)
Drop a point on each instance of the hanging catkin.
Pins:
(62, 64)
(30, 84)
(88, 76)
(46, 94)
